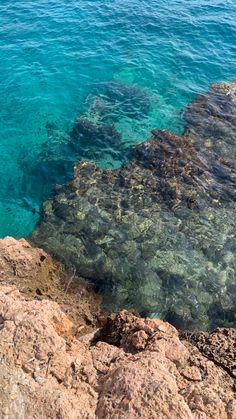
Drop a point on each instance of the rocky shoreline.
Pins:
(121, 366)
(37, 276)
(157, 234)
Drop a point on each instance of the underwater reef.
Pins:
(93, 135)
(158, 233)
(111, 100)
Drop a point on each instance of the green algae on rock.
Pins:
(158, 234)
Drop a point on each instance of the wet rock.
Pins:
(157, 234)
(113, 100)
(211, 119)
(96, 140)
(86, 139)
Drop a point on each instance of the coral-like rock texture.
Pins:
(135, 368)
(158, 234)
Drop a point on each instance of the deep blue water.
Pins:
(57, 59)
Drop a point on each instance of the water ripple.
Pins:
(52, 53)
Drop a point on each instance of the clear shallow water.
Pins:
(55, 59)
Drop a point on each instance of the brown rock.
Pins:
(149, 373)
(219, 346)
(36, 275)
(191, 373)
(41, 369)
(142, 387)
(131, 368)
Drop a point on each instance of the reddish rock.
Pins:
(36, 275)
(41, 370)
(132, 367)
(219, 346)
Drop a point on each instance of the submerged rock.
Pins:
(212, 119)
(92, 136)
(158, 234)
(96, 141)
(113, 100)
(86, 139)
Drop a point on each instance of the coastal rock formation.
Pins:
(37, 361)
(212, 118)
(129, 367)
(219, 346)
(158, 234)
(90, 139)
(37, 276)
(136, 368)
(93, 136)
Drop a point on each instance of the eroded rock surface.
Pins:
(158, 234)
(36, 275)
(38, 363)
(138, 368)
(129, 368)
(219, 346)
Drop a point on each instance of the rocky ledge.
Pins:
(158, 234)
(129, 368)
(38, 277)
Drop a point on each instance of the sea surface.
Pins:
(60, 60)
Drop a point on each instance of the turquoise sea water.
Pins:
(141, 61)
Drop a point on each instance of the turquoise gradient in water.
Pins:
(55, 58)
